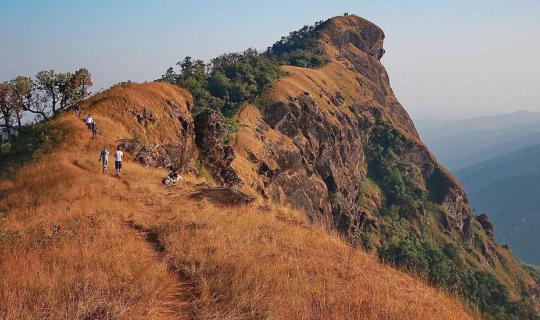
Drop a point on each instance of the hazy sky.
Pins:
(446, 58)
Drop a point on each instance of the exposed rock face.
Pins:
(177, 152)
(323, 174)
(209, 136)
(170, 155)
(483, 219)
(157, 119)
(310, 147)
(329, 125)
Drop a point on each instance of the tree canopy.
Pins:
(227, 81)
(300, 48)
(45, 96)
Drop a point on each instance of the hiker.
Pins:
(89, 121)
(172, 177)
(118, 155)
(78, 110)
(93, 127)
(104, 158)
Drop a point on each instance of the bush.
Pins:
(408, 253)
(485, 291)
(231, 126)
(32, 141)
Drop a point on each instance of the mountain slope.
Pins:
(507, 189)
(333, 143)
(79, 244)
(336, 142)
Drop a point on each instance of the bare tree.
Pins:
(56, 92)
(22, 89)
(48, 87)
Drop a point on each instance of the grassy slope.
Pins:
(78, 244)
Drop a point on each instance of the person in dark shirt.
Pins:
(93, 127)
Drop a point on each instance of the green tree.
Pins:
(227, 81)
(300, 48)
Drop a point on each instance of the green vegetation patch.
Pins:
(300, 48)
(386, 169)
(227, 82)
(407, 206)
(32, 142)
(230, 80)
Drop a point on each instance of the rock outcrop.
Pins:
(223, 196)
(157, 119)
(209, 136)
(483, 219)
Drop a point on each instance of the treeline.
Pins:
(227, 81)
(44, 96)
(300, 48)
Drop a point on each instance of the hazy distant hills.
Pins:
(460, 143)
(498, 161)
(508, 188)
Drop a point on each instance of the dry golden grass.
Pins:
(76, 244)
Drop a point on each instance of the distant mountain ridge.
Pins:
(508, 189)
(460, 143)
(497, 159)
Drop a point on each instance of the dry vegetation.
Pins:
(76, 244)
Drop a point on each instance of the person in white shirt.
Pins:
(89, 121)
(118, 155)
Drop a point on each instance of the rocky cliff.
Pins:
(335, 142)
(313, 135)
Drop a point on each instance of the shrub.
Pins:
(231, 126)
(32, 141)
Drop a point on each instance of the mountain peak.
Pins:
(351, 30)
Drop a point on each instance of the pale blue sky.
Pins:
(449, 58)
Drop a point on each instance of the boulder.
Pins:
(210, 132)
